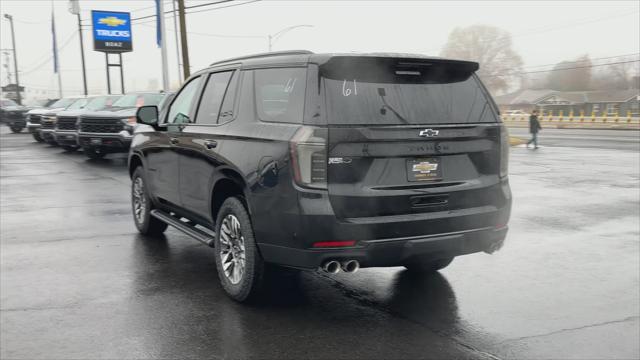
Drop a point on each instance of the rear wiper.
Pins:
(385, 106)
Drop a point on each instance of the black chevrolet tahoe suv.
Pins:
(325, 161)
(110, 130)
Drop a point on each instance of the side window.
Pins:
(179, 110)
(226, 111)
(211, 102)
(279, 94)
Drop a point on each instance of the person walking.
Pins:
(534, 128)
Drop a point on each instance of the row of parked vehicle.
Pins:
(100, 124)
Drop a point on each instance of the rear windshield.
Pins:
(400, 95)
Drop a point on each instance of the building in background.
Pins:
(600, 103)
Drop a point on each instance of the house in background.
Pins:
(600, 103)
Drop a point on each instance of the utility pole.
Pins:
(15, 59)
(74, 8)
(163, 46)
(175, 32)
(183, 37)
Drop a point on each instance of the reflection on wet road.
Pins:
(78, 281)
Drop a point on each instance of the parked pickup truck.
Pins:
(110, 130)
(66, 127)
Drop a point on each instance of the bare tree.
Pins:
(490, 46)
(571, 75)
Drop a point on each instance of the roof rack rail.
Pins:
(267, 54)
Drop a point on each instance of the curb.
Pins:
(515, 141)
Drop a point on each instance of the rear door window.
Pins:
(211, 104)
(279, 94)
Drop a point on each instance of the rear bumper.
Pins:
(287, 237)
(108, 142)
(66, 137)
(392, 252)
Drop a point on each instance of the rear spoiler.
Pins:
(398, 70)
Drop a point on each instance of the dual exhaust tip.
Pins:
(334, 266)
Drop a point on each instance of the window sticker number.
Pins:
(288, 88)
(347, 90)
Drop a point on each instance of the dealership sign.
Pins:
(111, 31)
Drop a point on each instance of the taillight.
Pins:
(504, 151)
(309, 157)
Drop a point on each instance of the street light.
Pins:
(15, 59)
(276, 36)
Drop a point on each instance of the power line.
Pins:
(582, 61)
(561, 69)
(186, 7)
(211, 35)
(223, 7)
(46, 61)
(544, 29)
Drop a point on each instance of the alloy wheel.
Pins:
(139, 200)
(232, 250)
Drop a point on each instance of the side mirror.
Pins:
(147, 115)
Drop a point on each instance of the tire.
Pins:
(241, 269)
(141, 206)
(69, 148)
(37, 137)
(429, 266)
(16, 128)
(93, 153)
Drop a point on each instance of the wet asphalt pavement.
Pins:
(77, 281)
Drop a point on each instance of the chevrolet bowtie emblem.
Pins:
(429, 133)
(112, 21)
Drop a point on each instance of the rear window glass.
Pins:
(415, 94)
(279, 94)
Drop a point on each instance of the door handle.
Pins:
(210, 144)
(174, 141)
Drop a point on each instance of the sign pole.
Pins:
(106, 57)
(163, 47)
(121, 74)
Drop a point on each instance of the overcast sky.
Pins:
(544, 32)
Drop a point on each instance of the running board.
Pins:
(186, 228)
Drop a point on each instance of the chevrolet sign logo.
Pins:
(112, 21)
(429, 133)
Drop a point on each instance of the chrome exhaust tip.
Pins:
(350, 266)
(332, 267)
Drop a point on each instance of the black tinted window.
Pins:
(354, 102)
(279, 94)
(212, 96)
(180, 110)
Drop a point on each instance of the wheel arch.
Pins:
(230, 184)
(135, 160)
